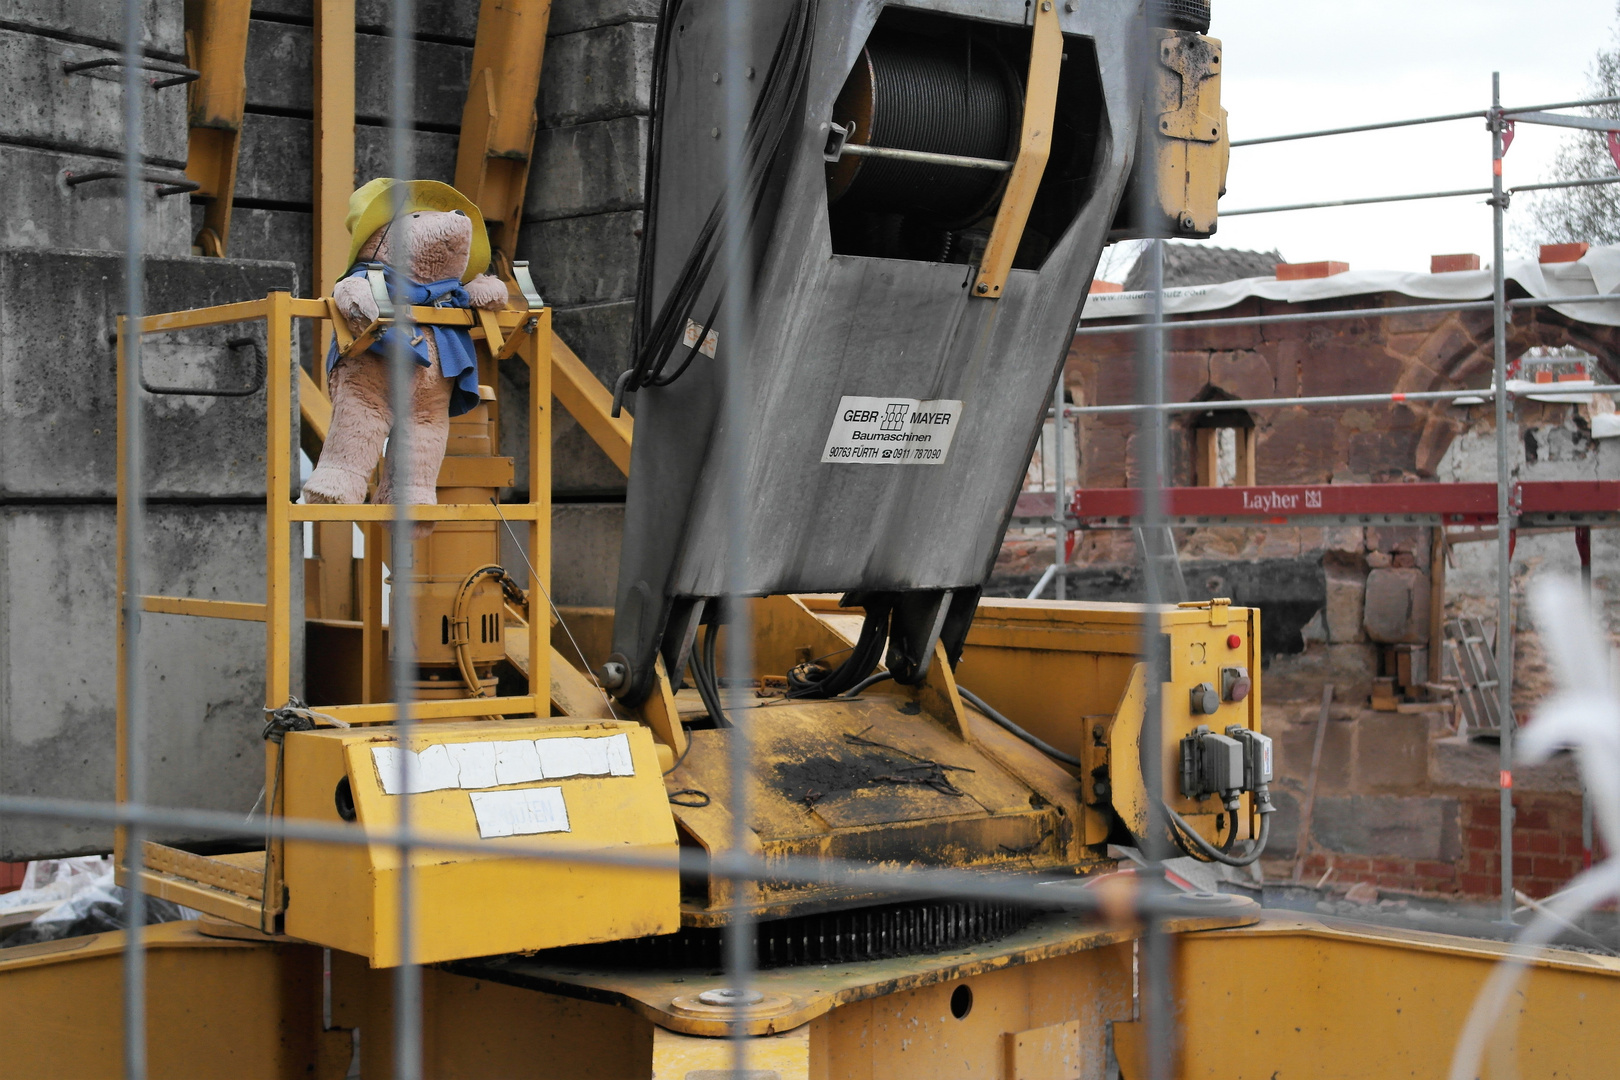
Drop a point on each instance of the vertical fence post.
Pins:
(739, 659)
(1504, 520)
(1158, 1020)
(402, 363)
(132, 764)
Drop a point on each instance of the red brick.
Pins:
(1434, 869)
(1446, 264)
(1521, 865)
(1565, 819)
(1307, 271)
(1539, 842)
(1530, 818)
(1553, 868)
(1484, 814)
(1483, 839)
(1390, 866)
(1563, 253)
(1478, 885)
(1352, 864)
(1100, 286)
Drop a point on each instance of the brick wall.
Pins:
(1404, 805)
(1547, 853)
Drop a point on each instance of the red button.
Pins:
(1233, 641)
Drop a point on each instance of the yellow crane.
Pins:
(919, 846)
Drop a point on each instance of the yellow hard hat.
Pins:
(372, 207)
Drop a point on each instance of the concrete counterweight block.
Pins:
(58, 377)
(42, 105)
(1397, 606)
(204, 677)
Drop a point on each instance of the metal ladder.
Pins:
(1472, 663)
(1157, 550)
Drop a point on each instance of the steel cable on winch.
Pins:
(939, 96)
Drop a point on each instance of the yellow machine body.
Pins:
(487, 903)
(1291, 995)
(1068, 673)
(284, 977)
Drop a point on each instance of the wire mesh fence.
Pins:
(1148, 903)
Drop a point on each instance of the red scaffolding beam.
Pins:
(1535, 504)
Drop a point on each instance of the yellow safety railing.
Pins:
(526, 333)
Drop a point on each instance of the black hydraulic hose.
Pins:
(1209, 852)
(1044, 747)
(703, 673)
(860, 662)
(774, 118)
(870, 680)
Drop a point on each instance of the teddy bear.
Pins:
(447, 250)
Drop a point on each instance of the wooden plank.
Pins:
(205, 609)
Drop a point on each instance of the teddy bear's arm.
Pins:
(487, 291)
(354, 299)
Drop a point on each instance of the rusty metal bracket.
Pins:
(167, 185)
(178, 74)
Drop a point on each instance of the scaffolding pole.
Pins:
(1353, 313)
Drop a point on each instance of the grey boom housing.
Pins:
(861, 282)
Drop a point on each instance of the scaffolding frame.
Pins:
(1151, 505)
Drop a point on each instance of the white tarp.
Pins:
(1597, 272)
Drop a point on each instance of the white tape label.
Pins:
(523, 812)
(442, 766)
(892, 431)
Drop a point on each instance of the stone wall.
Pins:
(1405, 805)
(61, 288)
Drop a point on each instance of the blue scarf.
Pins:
(458, 358)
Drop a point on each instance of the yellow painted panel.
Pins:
(476, 905)
(215, 1008)
(1359, 1004)
(1046, 1053)
(917, 1033)
(473, 1029)
(779, 1057)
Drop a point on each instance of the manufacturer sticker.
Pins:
(892, 431)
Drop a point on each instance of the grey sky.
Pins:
(1311, 64)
